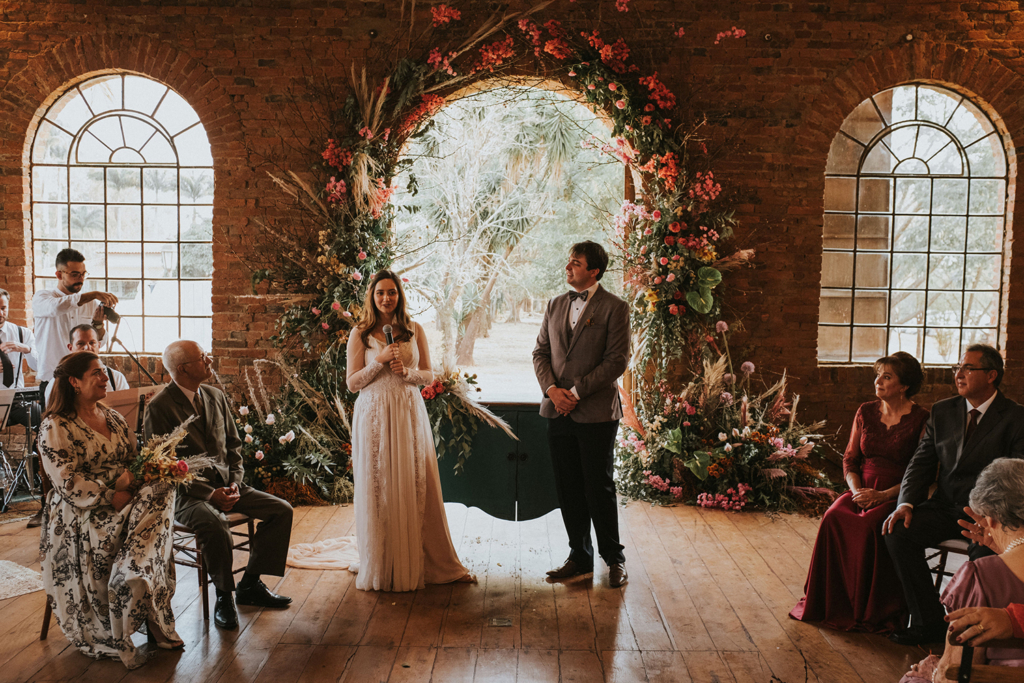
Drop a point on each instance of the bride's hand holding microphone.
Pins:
(389, 354)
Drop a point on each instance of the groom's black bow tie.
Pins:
(578, 295)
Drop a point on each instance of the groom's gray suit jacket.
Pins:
(591, 358)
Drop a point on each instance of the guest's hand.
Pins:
(903, 513)
(977, 531)
(977, 625)
(563, 399)
(867, 498)
(387, 354)
(225, 498)
(14, 347)
(123, 482)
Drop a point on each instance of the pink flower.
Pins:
(643, 249)
(335, 306)
(690, 410)
(663, 261)
(428, 393)
(405, 279)
(721, 327)
(315, 310)
(647, 231)
(361, 256)
(657, 280)
(613, 87)
(620, 104)
(366, 133)
(572, 74)
(656, 215)
(326, 326)
(591, 87)
(686, 424)
(259, 455)
(747, 367)
(671, 277)
(357, 276)
(673, 309)
(182, 467)
(347, 314)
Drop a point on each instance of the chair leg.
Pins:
(46, 620)
(203, 583)
(940, 569)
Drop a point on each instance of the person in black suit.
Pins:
(963, 435)
(203, 505)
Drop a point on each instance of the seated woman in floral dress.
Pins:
(108, 568)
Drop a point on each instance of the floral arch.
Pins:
(674, 244)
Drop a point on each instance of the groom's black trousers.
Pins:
(583, 456)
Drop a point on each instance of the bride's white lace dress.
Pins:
(401, 528)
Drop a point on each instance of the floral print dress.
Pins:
(105, 572)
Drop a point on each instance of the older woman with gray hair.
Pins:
(997, 507)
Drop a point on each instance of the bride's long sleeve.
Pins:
(422, 375)
(360, 373)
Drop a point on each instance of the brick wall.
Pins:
(776, 99)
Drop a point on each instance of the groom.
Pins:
(582, 350)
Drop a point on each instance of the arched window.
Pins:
(121, 170)
(915, 204)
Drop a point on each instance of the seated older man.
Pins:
(202, 505)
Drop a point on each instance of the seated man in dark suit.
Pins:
(963, 435)
(202, 505)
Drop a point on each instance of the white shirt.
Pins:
(9, 333)
(120, 384)
(576, 306)
(55, 313)
(982, 408)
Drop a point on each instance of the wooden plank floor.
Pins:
(707, 601)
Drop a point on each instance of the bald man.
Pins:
(203, 505)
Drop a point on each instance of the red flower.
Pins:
(427, 393)
(443, 14)
(670, 241)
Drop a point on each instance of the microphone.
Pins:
(387, 335)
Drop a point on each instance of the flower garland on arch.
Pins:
(674, 244)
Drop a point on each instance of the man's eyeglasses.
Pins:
(967, 368)
(76, 274)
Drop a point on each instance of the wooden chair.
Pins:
(188, 554)
(969, 672)
(956, 546)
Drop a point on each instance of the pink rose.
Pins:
(673, 309)
(428, 393)
(572, 74)
(315, 311)
(620, 104)
(335, 306)
(663, 261)
(656, 215)
(362, 256)
(357, 276)
(591, 87)
(326, 326)
(657, 280)
(613, 87)
(671, 277)
(670, 240)
(259, 455)
(182, 467)
(647, 231)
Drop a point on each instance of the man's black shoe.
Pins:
(224, 614)
(617, 576)
(36, 520)
(920, 635)
(569, 570)
(257, 594)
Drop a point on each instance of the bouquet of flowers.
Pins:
(157, 461)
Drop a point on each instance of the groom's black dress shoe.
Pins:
(569, 570)
(224, 614)
(920, 635)
(257, 594)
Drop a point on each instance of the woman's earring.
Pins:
(77, 391)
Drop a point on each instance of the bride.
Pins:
(401, 529)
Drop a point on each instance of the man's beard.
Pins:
(75, 287)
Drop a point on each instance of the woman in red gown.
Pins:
(851, 584)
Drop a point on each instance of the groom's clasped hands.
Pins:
(565, 401)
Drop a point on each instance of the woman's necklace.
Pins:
(1013, 544)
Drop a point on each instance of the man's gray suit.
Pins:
(590, 357)
(215, 434)
(999, 434)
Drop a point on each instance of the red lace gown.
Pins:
(851, 584)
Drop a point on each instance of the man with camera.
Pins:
(57, 311)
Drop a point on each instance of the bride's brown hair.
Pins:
(402, 323)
